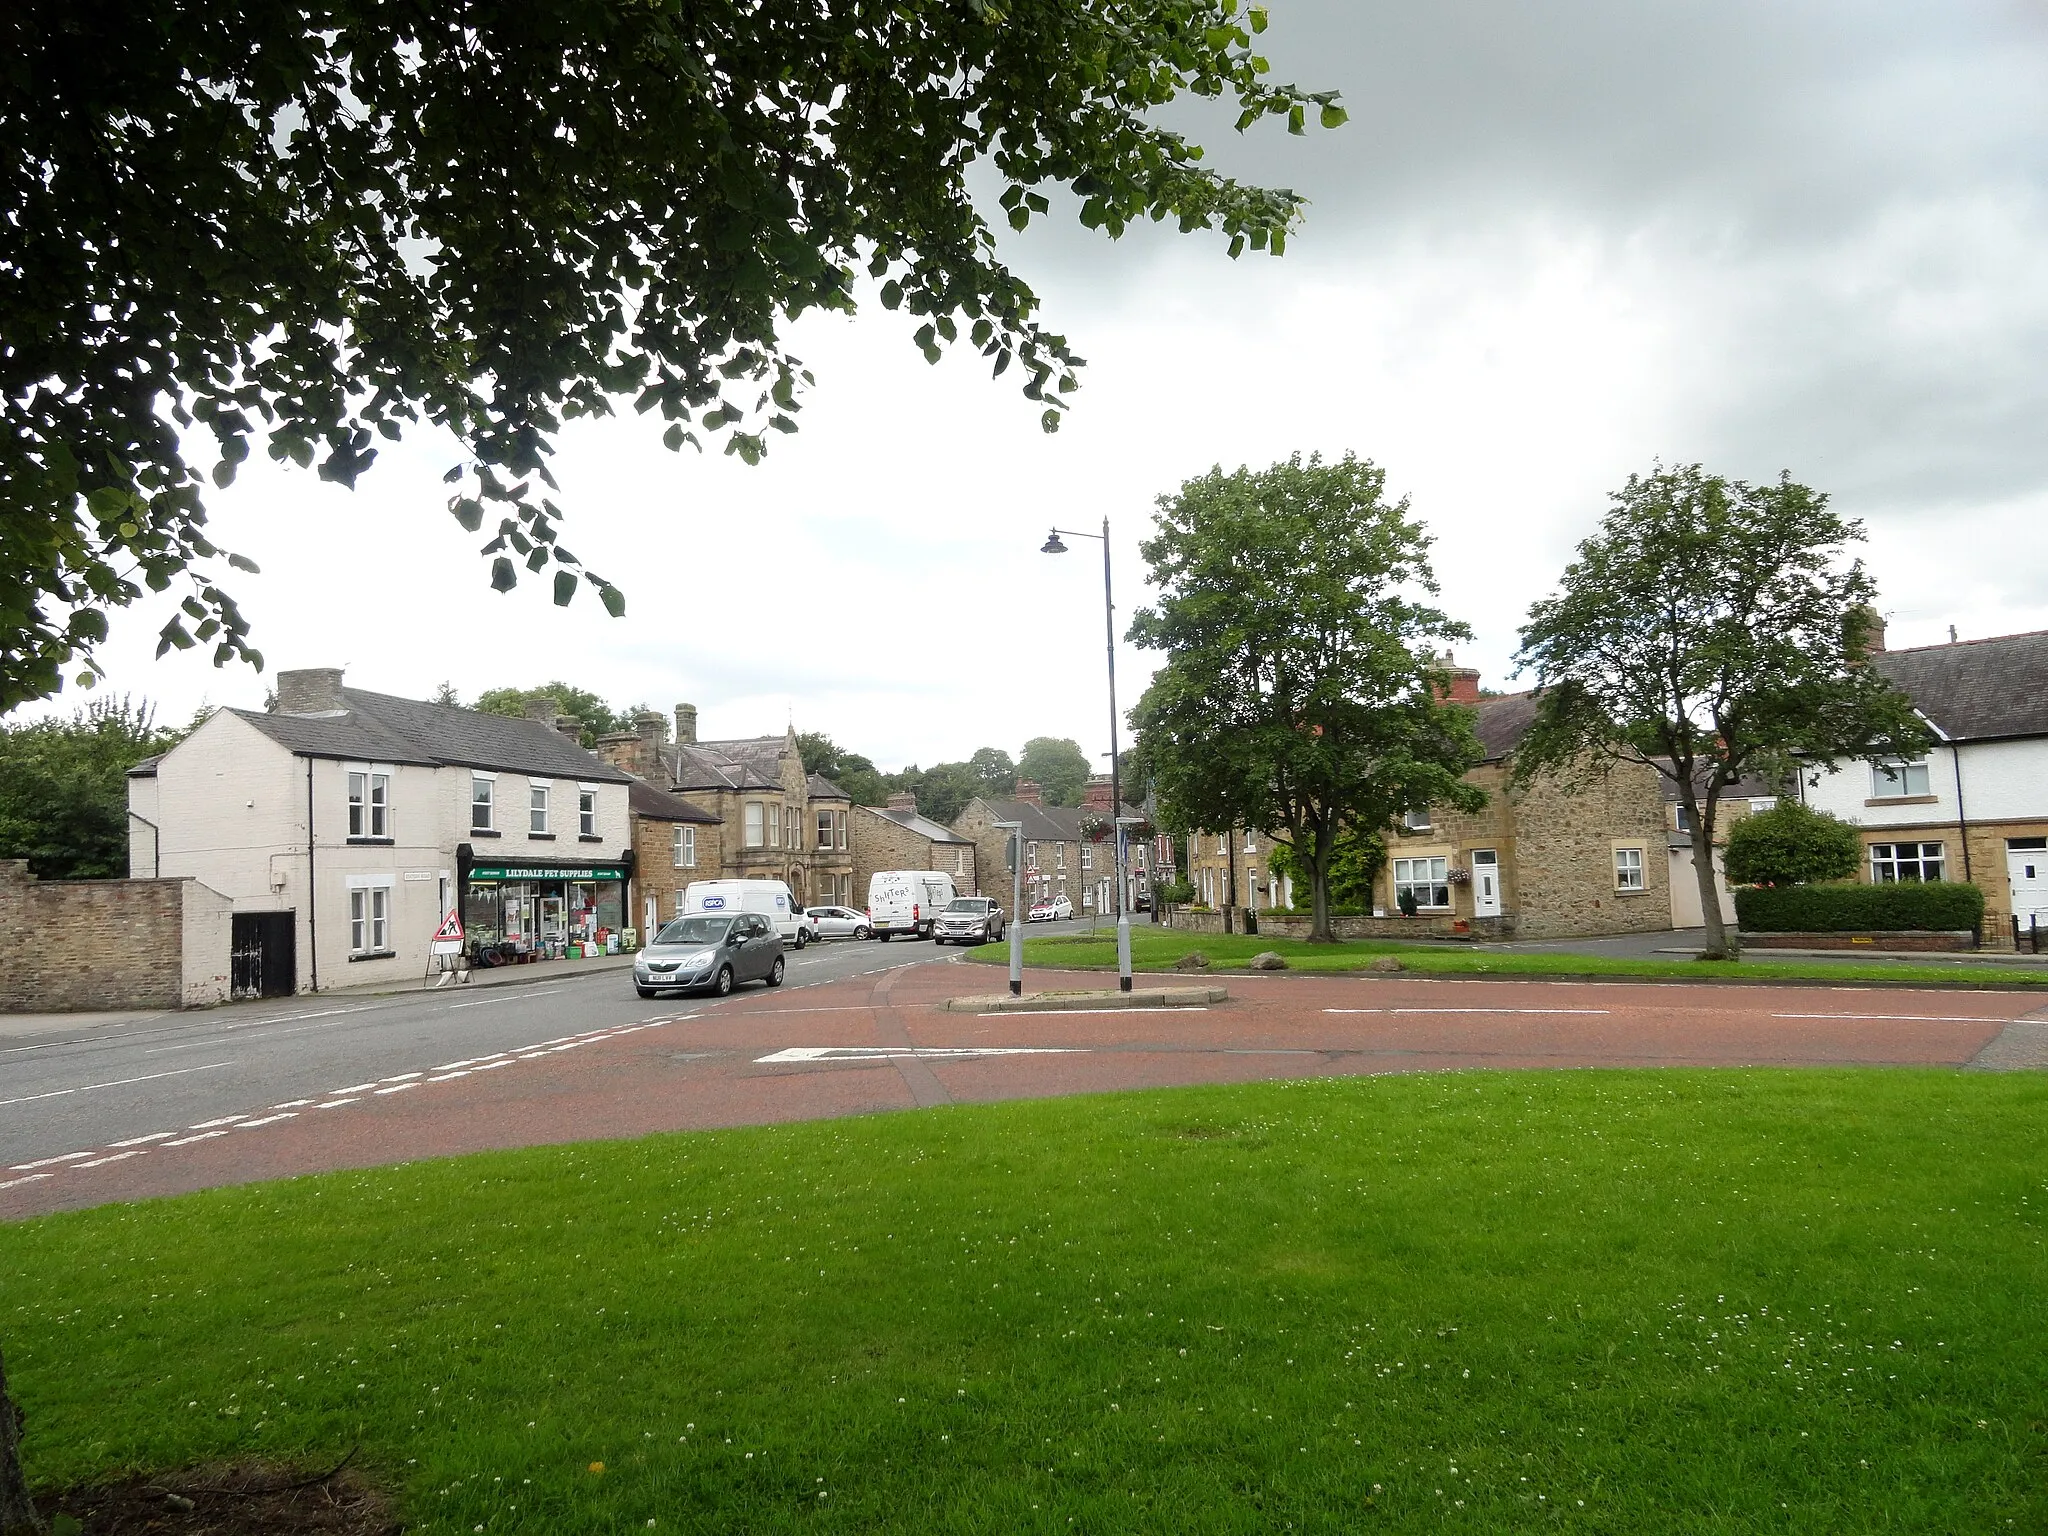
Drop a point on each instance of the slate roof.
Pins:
(643, 799)
(923, 826)
(1751, 786)
(1047, 823)
(146, 768)
(1500, 724)
(822, 788)
(709, 765)
(381, 728)
(1976, 690)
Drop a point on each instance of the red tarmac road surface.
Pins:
(880, 1042)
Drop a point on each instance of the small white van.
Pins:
(907, 901)
(770, 898)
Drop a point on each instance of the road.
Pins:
(225, 1098)
(168, 1072)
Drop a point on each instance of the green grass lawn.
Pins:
(1617, 1301)
(1156, 949)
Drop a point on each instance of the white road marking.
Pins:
(27, 1178)
(186, 1141)
(114, 1158)
(447, 1077)
(1068, 1013)
(207, 1125)
(1908, 1018)
(250, 1125)
(336, 1103)
(44, 1162)
(292, 1104)
(491, 1065)
(401, 1077)
(136, 1141)
(119, 1082)
(398, 1088)
(352, 1088)
(1574, 1012)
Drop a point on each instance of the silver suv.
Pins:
(968, 920)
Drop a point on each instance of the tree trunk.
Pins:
(1320, 855)
(17, 1514)
(1721, 943)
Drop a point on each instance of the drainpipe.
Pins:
(312, 885)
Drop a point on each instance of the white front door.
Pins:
(1485, 883)
(2027, 869)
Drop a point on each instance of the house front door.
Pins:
(1485, 883)
(2026, 867)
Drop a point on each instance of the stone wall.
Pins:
(881, 843)
(1564, 856)
(1297, 926)
(654, 866)
(90, 945)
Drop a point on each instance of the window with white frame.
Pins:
(1891, 863)
(1031, 855)
(824, 829)
(774, 808)
(682, 847)
(369, 920)
(756, 823)
(369, 802)
(1898, 780)
(1059, 856)
(537, 809)
(1087, 855)
(1251, 841)
(959, 861)
(1416, 821)
(1222, 842)
(586, 810)
(1683, 819)
(1427, 879)
(1628, 869)
(839, 830)
(481, 790)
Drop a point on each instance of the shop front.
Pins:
(518, 909)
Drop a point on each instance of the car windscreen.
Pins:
(967, 904)
(694, 930)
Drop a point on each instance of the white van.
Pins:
(770, 898)
(907, 901)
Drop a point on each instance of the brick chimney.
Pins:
(1095, 795)
(570, 727)
(629, 752)
(686, 724)
(903, 800)
(310, 691)
(1866, 633)
(539, 706)
(1028, 792)
(1464, 685)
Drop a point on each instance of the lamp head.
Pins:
(1052, 545)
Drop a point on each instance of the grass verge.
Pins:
(1622, 1301)
(1156, 949)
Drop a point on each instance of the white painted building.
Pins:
(414, 809)
(1976, 806)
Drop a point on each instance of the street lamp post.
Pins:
(1053, 546)
(1016, 831)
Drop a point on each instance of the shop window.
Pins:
(1898, 780)
(1628, 869)
(369, 803)
(480, 792)
(537, 810)
(586, 810)
(824, 829)
(369, 921)
(683, 847)
(1894, 862)
(756, 822)
(1427, 879)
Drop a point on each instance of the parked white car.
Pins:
(770, 898)
(1057, 910)
(839, 923)
(907, 901)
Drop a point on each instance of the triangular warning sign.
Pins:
(450, 929)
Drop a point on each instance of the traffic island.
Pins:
(1088, 1002)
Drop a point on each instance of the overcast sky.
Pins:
(1554, 244)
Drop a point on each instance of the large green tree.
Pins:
(64, 788)
(1299, 691)
(311, 224)
(853, 773)
(1057, 765)
(1711, 629)
(594, 717)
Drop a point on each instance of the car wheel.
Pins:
(644, 991)
(723, 985)
(801, 940)
(885, 937)
(774, 977)
(863, 933)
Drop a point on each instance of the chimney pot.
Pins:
(686, 724)
(310, 691)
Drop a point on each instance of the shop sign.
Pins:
(488, 872)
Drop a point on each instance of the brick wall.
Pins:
(87, 945)
(654, 866)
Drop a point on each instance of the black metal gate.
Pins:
(264, 954)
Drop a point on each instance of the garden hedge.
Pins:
(1935, 906)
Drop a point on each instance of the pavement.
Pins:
(177, 1105)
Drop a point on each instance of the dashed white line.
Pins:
(398, 1088)
(45, 1162)
(1904, 1018)
(116, 1157)
(136, 1141)
(119, 1082)
(250, 1125)
(27, 1178)
(186, 1141)
(207, 1125)
(337, 1103)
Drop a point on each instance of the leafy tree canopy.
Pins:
(1711, 628)
(313, 224)
(849, 770)
(1792, 844)
(1300, 691)
(594, 716)
(997, 773)
(64, 788)
(1359, 857)
(1059, 767)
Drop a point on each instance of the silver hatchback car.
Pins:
(710, 952)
